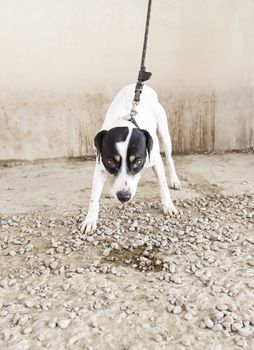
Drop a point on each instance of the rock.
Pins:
(188, 316)
(177, 310)
(29, 303)
(80, 270)
(169, 308)
(208, 322)
(217, 327)
(236, 326)
(222, 307)
(242, 343)
(53, 265)
(245, 331)
(12, 253)
(176, 279)
(63, 324)
(23, 320)
(27, 330)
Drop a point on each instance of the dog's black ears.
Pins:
(149, 141)
(98, 143)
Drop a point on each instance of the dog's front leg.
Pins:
(168, 206)
(99, 178)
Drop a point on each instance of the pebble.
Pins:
(12, 253)
(176, 279)
(188, 316)
(29, 303)
(177, 310)
(217, 327)
(245, 331)
(63, 324)
(208, 322)
(52, 324)
(80, 270)
(23, 320)
(242, 343)
(53, 265)
(27, 330)
(236, 326)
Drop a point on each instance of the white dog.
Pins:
(123, 150)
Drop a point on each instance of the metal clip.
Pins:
(133, 110)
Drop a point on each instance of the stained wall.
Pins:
(61, 63)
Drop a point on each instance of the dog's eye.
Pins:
(137, 163)
(110, 163)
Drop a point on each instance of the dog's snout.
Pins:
(123, 196)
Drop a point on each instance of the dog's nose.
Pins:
(123, 196)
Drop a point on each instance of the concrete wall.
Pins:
(62, 61)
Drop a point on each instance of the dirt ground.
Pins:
(142, 280)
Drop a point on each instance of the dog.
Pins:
(123, 150)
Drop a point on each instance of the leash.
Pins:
(143, 75)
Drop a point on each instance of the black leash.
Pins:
(143, 75)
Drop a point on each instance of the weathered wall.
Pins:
(62, 61)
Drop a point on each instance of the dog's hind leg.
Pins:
(90, 221)
(162, 124)
(168, 206)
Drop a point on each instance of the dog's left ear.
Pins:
(149, 141)
(98, 143)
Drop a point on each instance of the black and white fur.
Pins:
(123, 150)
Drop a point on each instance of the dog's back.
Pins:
(120, 108)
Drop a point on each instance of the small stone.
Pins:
(242, 343)
(106, 252)
(217, 327)
(27, 330)
(186, 340)
(23, 320)
(222, 307)
(29, 303)
(177, 310)
(172, 268)
(102, 284)
(158, 338)
(188, 316)
(236, 326)
(60, 249)
(53, 265)
(63, 324)
(245, 331)
(170, 308)
(208, 322)
(176, 279)
(12, 253)
(52, 324)
(80, 270)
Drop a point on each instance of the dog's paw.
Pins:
(175, 183)
(89, 224)
(169, 209)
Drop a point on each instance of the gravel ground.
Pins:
(142, 280)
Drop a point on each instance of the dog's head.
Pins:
(123, 152)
